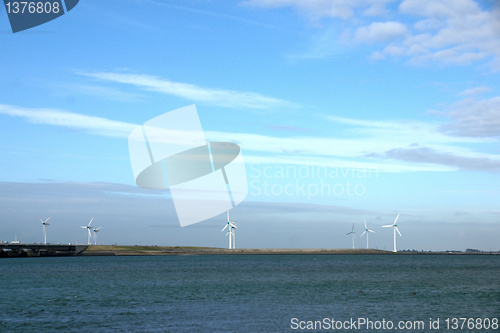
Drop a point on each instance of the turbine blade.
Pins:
(398, 231)
(48, 219)
(396, 219)
(224, 227)
(40, 220)
(363, 233)
(370, 230)
(365, 225)
(91, 221)
(386, 226)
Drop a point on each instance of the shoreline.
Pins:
(57, 250)
(121, 250)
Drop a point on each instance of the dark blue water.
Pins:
(244, 293)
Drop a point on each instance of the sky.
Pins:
(345, 111)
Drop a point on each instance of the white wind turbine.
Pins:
(367, 231)
(95, 234)
(44, 225)
(89, 228)
(231, 232)
(353, 233)
(395, 227)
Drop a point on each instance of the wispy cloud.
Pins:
(317, 9)
(191, 92)
(55, 117)
(432, 156)
(320, 46)
(406, 132)
(215, 14)
(425, 143)
(289, 128)
(103, 92)
(474, 91)
(391, 146)
(371, 144)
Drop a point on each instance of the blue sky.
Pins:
(344, 111)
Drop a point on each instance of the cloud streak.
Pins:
(191, 92)
(317, 9)
(367, 144)
(56, 117)
(475, 91)
(428, 155)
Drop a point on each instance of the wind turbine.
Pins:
(95, 235)
(231, 232)
(44, 225)
(367, 231)
(89, 228)
(353, 233)
(395, 227)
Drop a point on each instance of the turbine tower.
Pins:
(231, 226)
(395, 227)
(44, 226)
(353, 233)
(95, 235)
(89, 229)
(367, 231)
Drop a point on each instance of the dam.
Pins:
(39, 250)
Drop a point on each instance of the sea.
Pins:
(251, 293)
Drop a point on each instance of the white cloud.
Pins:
(55, 117)
(475, 91)
(457, 32)
(407, 132)
(191, 92)
(432, 156)
(102, 92)
(438, 8)
(380, 32)
(367, 144)
(320, 47)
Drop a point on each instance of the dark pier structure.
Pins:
(39, 250)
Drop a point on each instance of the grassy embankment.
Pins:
(121, 250)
